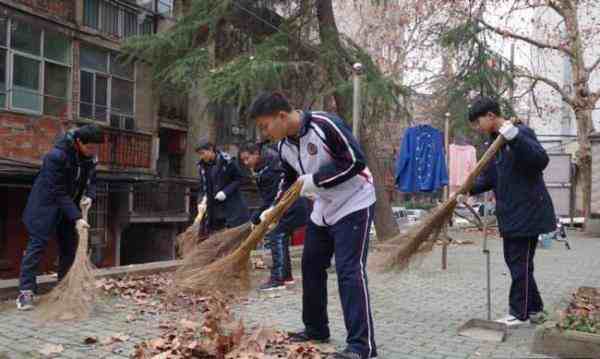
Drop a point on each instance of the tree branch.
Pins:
(552, 84)
(593, 67)
(525, 39)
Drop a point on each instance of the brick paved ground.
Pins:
(416, 312)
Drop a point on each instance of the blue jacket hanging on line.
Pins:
(421, 163)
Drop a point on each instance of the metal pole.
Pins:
(357, 71)
(446, 191)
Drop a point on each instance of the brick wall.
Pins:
(27, 138)
(63, 9)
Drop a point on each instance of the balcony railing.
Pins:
(125, 149)
(164, 199)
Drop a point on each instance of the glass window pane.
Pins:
(26, 81)
(122, 96)
(25, 37)
(115, 121)
(55, 106)
(3, 29)
(129, 123)
(110, 18)
(57, 47)
(2, 78)
(119, 68)
(90, 13)
(86, 109)
(164, 7)
(93, 58)
(56, 80)
(130, 24)
(101, 108)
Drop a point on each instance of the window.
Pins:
(34, 68)
(107, 88)
(117, 20)
(165, 7)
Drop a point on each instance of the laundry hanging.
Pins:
(462, 161)
(421, 163)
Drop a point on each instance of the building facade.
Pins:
(60, 67)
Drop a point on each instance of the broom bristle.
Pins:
(210, 250)
(420, 239)
(73, 297)
(187, 241)
(230, 274)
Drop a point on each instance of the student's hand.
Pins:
(202, 205)
(81, 224)
(221, 196)
(508, 130)
(86, 201)
(263, 216)
(308, 185)
(462, 198)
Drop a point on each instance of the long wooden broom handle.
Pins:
(85, 210)
(481, 164)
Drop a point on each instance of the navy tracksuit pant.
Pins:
(524, 297)
(348, 239)
(279, 241)
(67, 246)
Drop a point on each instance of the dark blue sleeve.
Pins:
(235, 177)
(55, 167)
(348, 158)
(90, 189)
(201, 185)
(529, 153)
(270, 188)
(402, 162)
(288, 175)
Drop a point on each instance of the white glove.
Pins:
(81, 224)
(308, 185)
(265, 213)
(508, 130)
(221, 196)
(86, 201)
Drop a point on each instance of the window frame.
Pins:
(109, 76)
(10, 64)
(122, 33)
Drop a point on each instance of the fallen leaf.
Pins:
(188, 324)
(90, 340)
(157, 343)
(51, 349)
(130, 318)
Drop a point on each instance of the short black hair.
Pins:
(268, 103)
(204, 144)
(482, 105)
(89, 134)
(250, 147)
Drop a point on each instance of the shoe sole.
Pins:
(25, 308)
(272, 289)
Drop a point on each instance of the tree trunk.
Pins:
(385, 224)
(584, 157)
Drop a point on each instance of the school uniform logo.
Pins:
(311, 148)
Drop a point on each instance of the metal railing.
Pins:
(159, 199)
(125, 149)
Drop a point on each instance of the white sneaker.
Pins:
(512, 321)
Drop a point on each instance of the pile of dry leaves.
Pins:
(583, 313)
(150, 291)
(221, 336)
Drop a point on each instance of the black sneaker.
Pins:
(347, 354)
(271, 285)
(25, 300)
(302, 337)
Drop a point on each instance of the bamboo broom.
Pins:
(421, 238)
(230, 274)
(73, 297)
(187, 240)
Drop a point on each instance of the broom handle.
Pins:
(85, 210)
(481, 164)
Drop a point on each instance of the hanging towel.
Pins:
(421, 164)
(461, 162)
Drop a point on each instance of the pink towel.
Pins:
(462, 161)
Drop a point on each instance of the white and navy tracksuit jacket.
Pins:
(327, 149)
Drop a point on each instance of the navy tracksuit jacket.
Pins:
(52, 207)
(524, 210)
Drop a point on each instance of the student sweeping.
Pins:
(266, 166)
(318, 148)
(523, 206)
(66, 179)
(220, 178)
